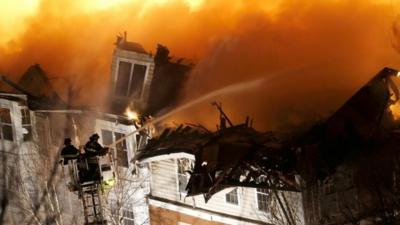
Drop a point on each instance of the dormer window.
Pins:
(130, 78)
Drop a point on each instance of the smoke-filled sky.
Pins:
(313, 54)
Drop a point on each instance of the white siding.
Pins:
(164, 185)
(131, 189)
(164, 179)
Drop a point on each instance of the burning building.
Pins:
(346, 167)
(33, 128)
(148, 83)
(131, 74)
(189, 174)
(35, 120)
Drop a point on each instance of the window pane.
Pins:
(184, 165)
(262, 199)
(232, 197)
(26, 117)
(182, 182)
(139, 72)
(122, 157)
(7, 132)
(106, 136)
(121, 145)
(5, 116)
(122, 154)
(124, 72)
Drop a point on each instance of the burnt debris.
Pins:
(239, 155)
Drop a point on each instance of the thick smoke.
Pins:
(320, 52)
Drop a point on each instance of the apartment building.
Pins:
(237, 205)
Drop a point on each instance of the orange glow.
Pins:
(395, 110)
(230, 41)
(13, 14)
(131, 114)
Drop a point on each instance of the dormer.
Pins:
(131, 73)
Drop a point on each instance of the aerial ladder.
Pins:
(91, 201)
(89, 179)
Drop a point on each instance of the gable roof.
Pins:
(36, 82)
(131, 46)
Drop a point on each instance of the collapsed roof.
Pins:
(239, 155)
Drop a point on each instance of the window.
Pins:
(128, 217)
(121, 149)
(139, 72)
(26, 124)
(232, 197)
(124, 73)
(130, 80)
(262, 199)
(184, 165)
(6, 131)
(107, 137)
(122, 152)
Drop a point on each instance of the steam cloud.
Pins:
(322, 50)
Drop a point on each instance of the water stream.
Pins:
(234, 88)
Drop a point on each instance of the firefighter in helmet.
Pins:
(93, 148)
(69, 152)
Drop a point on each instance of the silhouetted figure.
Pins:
(69, 152)
(92, 149)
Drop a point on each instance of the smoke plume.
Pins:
(317, 52)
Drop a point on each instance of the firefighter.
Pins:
(69, 152)
(93, 148)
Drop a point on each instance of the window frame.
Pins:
(238, 197)
(133, 63)
(115, 149)
(25, 112)
(267, 202)
(180, 174)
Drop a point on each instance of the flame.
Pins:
(131, 114)
(395, 110)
